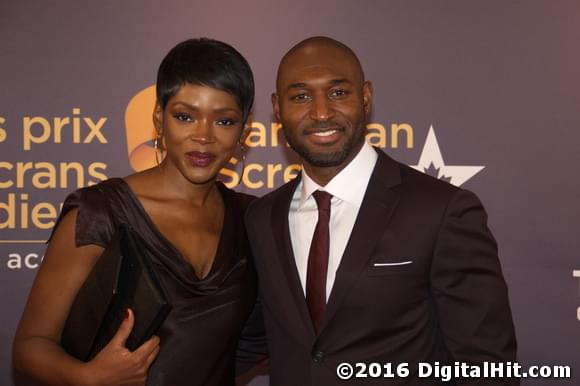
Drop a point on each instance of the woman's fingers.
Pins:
(152, 356)
(148, 347)
(124, 330)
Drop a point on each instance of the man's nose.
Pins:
(321, 109)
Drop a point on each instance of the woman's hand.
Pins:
(116, 365)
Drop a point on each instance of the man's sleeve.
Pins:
(469, 289)
(252, 346)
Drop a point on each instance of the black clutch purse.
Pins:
(122, 278)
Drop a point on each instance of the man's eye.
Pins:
(338, 93)
(226, 122)
(183, 117)
(300, 97)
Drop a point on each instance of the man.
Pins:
(363, 259)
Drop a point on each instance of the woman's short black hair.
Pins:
(210, 63)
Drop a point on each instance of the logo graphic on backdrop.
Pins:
(2, 131)
(140, 130)
(34, 183)
(576, 273)
(24, 204)
(431, 162)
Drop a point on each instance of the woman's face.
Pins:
(201, 127)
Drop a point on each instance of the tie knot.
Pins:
(322, 199)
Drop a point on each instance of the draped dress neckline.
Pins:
(207, 281)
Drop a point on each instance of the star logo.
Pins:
(431, 163)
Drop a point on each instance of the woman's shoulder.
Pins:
(92, 195)
(94, 222)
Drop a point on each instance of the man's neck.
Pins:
(323, 174)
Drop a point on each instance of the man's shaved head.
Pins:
(317, 44)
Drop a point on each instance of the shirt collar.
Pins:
(349, 184)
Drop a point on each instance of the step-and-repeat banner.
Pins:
(482, 94)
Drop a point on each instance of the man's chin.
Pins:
(330, 159)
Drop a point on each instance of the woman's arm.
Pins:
(36, 349)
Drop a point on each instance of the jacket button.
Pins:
(318, 356)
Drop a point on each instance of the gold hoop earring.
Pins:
(157, 150)
(243, 150)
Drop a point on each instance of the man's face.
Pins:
(322, 103)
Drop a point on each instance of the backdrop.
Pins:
(484, 94)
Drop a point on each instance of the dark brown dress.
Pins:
(200, 335)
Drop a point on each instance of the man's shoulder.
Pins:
(263, 204)
(244, 199)
(416, 185)
(416, 179)
(411, 178)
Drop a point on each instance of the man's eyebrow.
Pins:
(332, 82)
(296, 85)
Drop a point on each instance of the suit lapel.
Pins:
(292, 289)
(378, 205)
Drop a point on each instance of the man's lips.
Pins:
(325, 133)
(324, 136)
(199, 158)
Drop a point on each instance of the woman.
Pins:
(194, 224)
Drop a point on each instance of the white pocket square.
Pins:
(392, 264)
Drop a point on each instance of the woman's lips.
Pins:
(198, 158)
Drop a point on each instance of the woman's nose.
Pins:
(203, 132)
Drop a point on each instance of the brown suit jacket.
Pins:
(449, 304)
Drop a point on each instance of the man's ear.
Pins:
(276, 106)
(367, 96)
(158, 118)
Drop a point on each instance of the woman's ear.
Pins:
(245, 132)
(158, 118)
(247, 127)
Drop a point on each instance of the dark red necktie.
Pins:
(318, 260)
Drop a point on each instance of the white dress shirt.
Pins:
(348, 188)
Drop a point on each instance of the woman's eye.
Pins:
(183, 117)
(226, 122)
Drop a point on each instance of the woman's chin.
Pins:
(201, 177)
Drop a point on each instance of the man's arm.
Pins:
(469, 289)
(252, 347)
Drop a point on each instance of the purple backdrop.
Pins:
(498, 82)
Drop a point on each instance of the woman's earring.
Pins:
(243, 150)
(157, 150)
